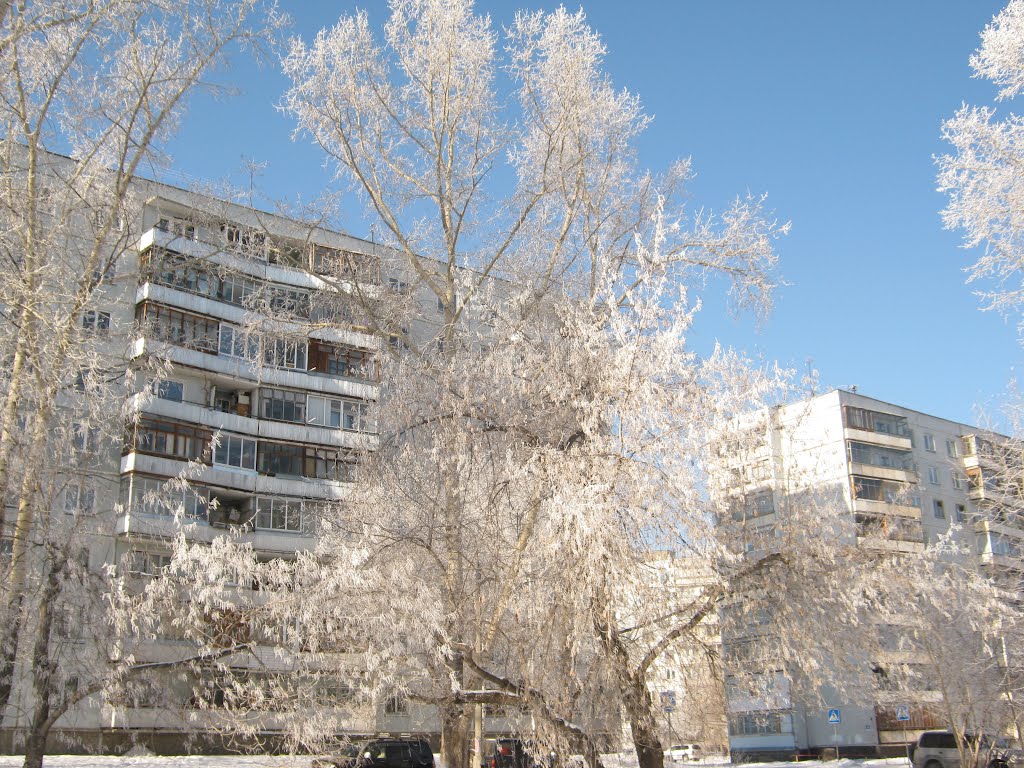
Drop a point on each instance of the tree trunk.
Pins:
(643, 727)
(17, 576)
(455, 736)
(636, 699)
(42, 675)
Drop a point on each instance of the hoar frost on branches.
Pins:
(537, 444)
(104, 82)
(982, 176)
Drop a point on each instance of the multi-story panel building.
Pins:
(905, 478)
(254, 373)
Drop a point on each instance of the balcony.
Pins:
(245, 370)
(318, 269)
(877, 428)
(242, 481)
(891, 545)
(216, 419)
(873, 495)
(889, 529)
(897, 474)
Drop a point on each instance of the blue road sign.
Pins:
(668, 700)
(902, 713)
(833, 716)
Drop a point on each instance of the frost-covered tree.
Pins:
(503, 171)
(91, 92)
(981, 176)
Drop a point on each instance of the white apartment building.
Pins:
(265, 399)
(906, 474)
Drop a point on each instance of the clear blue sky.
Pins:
(832, 108)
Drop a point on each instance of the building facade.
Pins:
(904, 479)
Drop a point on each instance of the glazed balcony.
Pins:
(216, 419)
(311, 266)
(196, 354)
(878, 428)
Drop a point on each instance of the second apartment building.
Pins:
(904, 478)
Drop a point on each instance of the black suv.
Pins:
(381, 753)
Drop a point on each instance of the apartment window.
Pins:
(150, 496)
(290, 301)
(103, 274)
(243, 239)
(939, 509)
(929, 443)
(283, 405)
(874, 489)
(148, 563)
(398, 286)
(951, 449)
(281, 459)
(236, 289)
(396, 705)
(235, 451)
(285, 353)
(175, 271)
(234, 342)
(84, 438)
(957, 479)
(79, 500)
(960, 513)
(179, 328)
(755, 723)
(340, 361)
(933, 475)
(323, 464)
(165, 438)
(96, 322)
(279, 514)
(347, 414)
(167, 389)
(177, 226)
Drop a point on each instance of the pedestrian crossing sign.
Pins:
(833, 716)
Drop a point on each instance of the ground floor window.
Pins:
(756, 723)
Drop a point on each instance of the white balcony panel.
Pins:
(888, 545)
(162, 527)
(254, 374)
(885, 473)
(878, 438)
(166, 528)
(246, 425)
(278, 541)
(191, 302)
(1002, 561)
(302, 487)
(994, 526)
(224, 477)
(327, 436)
(870, 506)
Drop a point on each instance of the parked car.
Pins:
(683, 753)
(937, 749)
(380, 753)
(512, 753)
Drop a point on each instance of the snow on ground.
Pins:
(302, 761)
